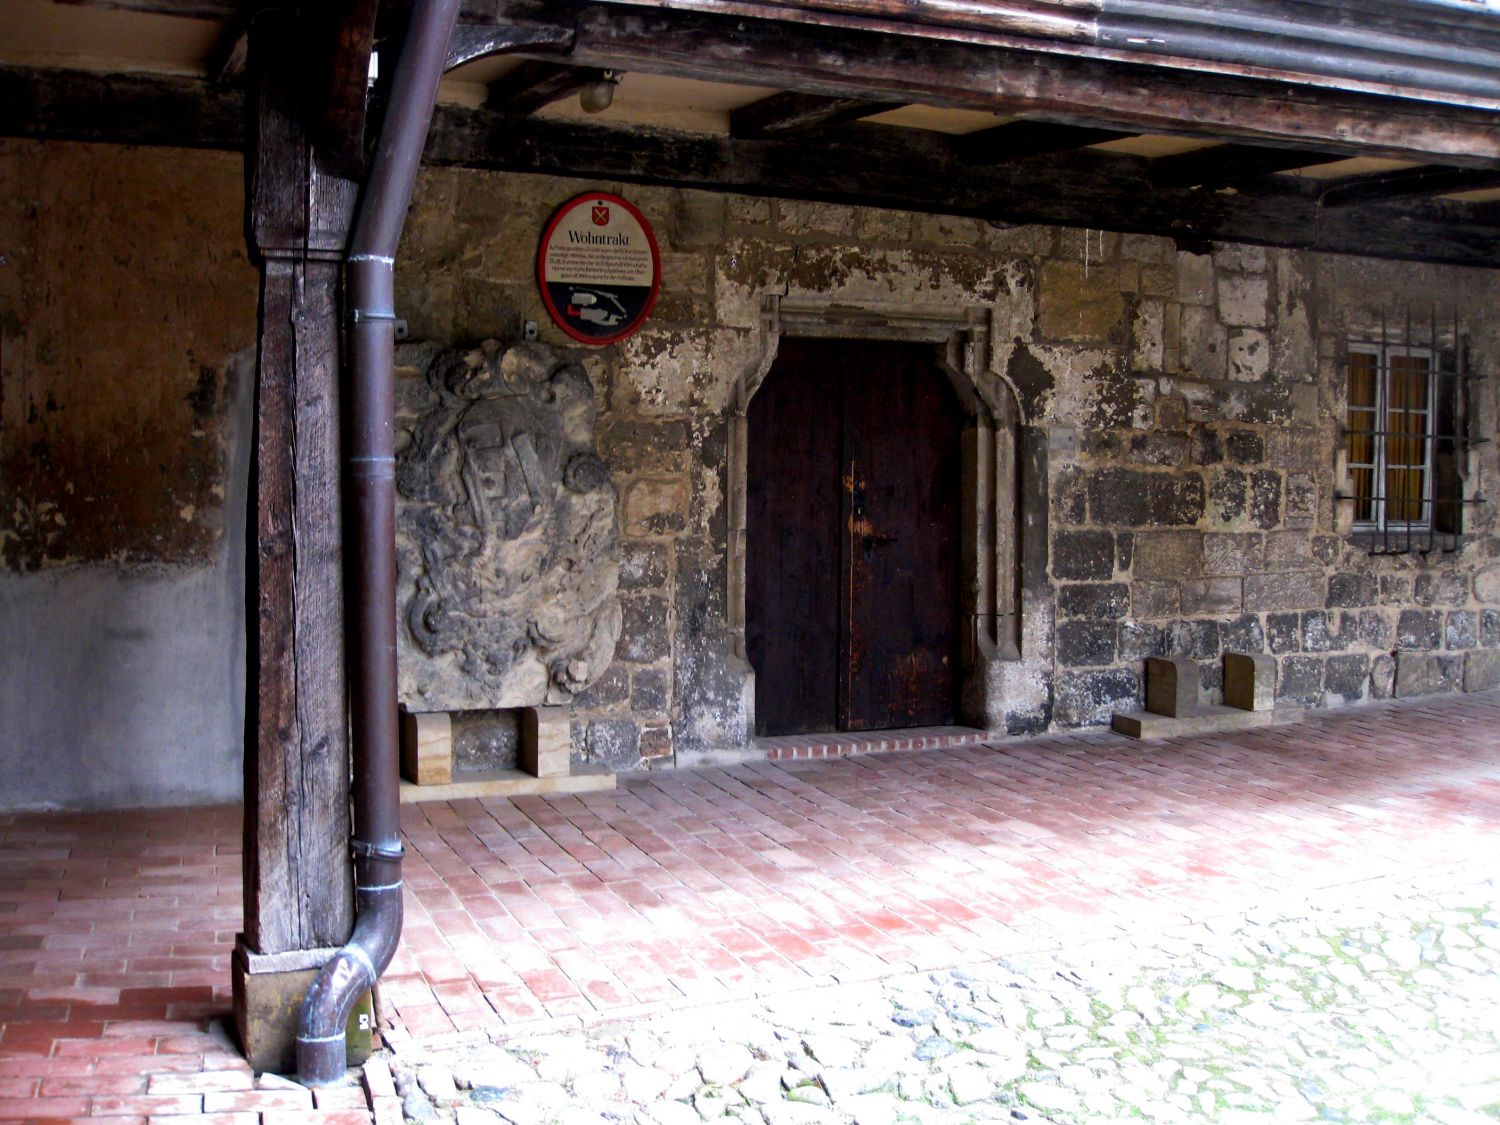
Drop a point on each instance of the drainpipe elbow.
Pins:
(354, 969)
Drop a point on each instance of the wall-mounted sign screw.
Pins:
(528, 330)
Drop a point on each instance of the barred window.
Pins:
(1401, 444)
(1389, 436)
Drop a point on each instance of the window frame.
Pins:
(1379, 499)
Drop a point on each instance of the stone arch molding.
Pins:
(990, 532)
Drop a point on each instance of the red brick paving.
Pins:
(116, 928)
(115, 934)
(708, 884)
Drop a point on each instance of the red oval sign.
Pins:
(598, 268)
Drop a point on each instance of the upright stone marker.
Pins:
(1171, 686)
(1249, 681)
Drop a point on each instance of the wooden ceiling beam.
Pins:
(915, 170)
(856, 164)
(231, 53)
(349, 34)
(1038, 78)
(188, 9)
(139, 109)
(470, 42)
(1017, 140)
(1227, 165)
(789, 112)
(1405, 183)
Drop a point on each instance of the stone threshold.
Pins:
(510, 783)
(839, 744)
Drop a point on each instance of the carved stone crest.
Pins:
(507, 538)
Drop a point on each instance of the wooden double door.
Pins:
(852, 523)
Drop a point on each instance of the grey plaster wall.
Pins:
(124, 688)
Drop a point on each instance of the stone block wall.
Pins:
(1189, 405)
(1200, 514)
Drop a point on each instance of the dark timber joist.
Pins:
(349, 30)
(230, 55)
(1425, 52)
(76, 105)
(906, 169)
(532, 85)
(858, 163)
(1227, 165)
(1016, 140)
(1405, 183)
(1045, 77)
(788, 112)
(475, 42)
(1305, 43)
(190, 9)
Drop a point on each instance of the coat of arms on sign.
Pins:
(601, 215)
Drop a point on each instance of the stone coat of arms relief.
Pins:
(507, 536)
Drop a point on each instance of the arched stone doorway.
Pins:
(852, 613)
(988, 487)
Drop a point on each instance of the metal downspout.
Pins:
(370, 456)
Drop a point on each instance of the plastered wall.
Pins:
(127, 307)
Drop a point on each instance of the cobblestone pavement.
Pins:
(1378, 1004)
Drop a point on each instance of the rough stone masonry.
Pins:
(1189, 405)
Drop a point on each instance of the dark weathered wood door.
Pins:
(852, 526)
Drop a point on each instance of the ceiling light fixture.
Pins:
(598, 94)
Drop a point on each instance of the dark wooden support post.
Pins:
(298, 892)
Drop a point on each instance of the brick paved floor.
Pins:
(115, 929)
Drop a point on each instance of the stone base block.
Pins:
(268, 992)
(1249, 681)
(1212, 719)
(1171, 686)
(1427, 673)
(546, 741)
(1482, 670)
(427, 747)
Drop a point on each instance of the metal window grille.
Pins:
(1406, 433)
